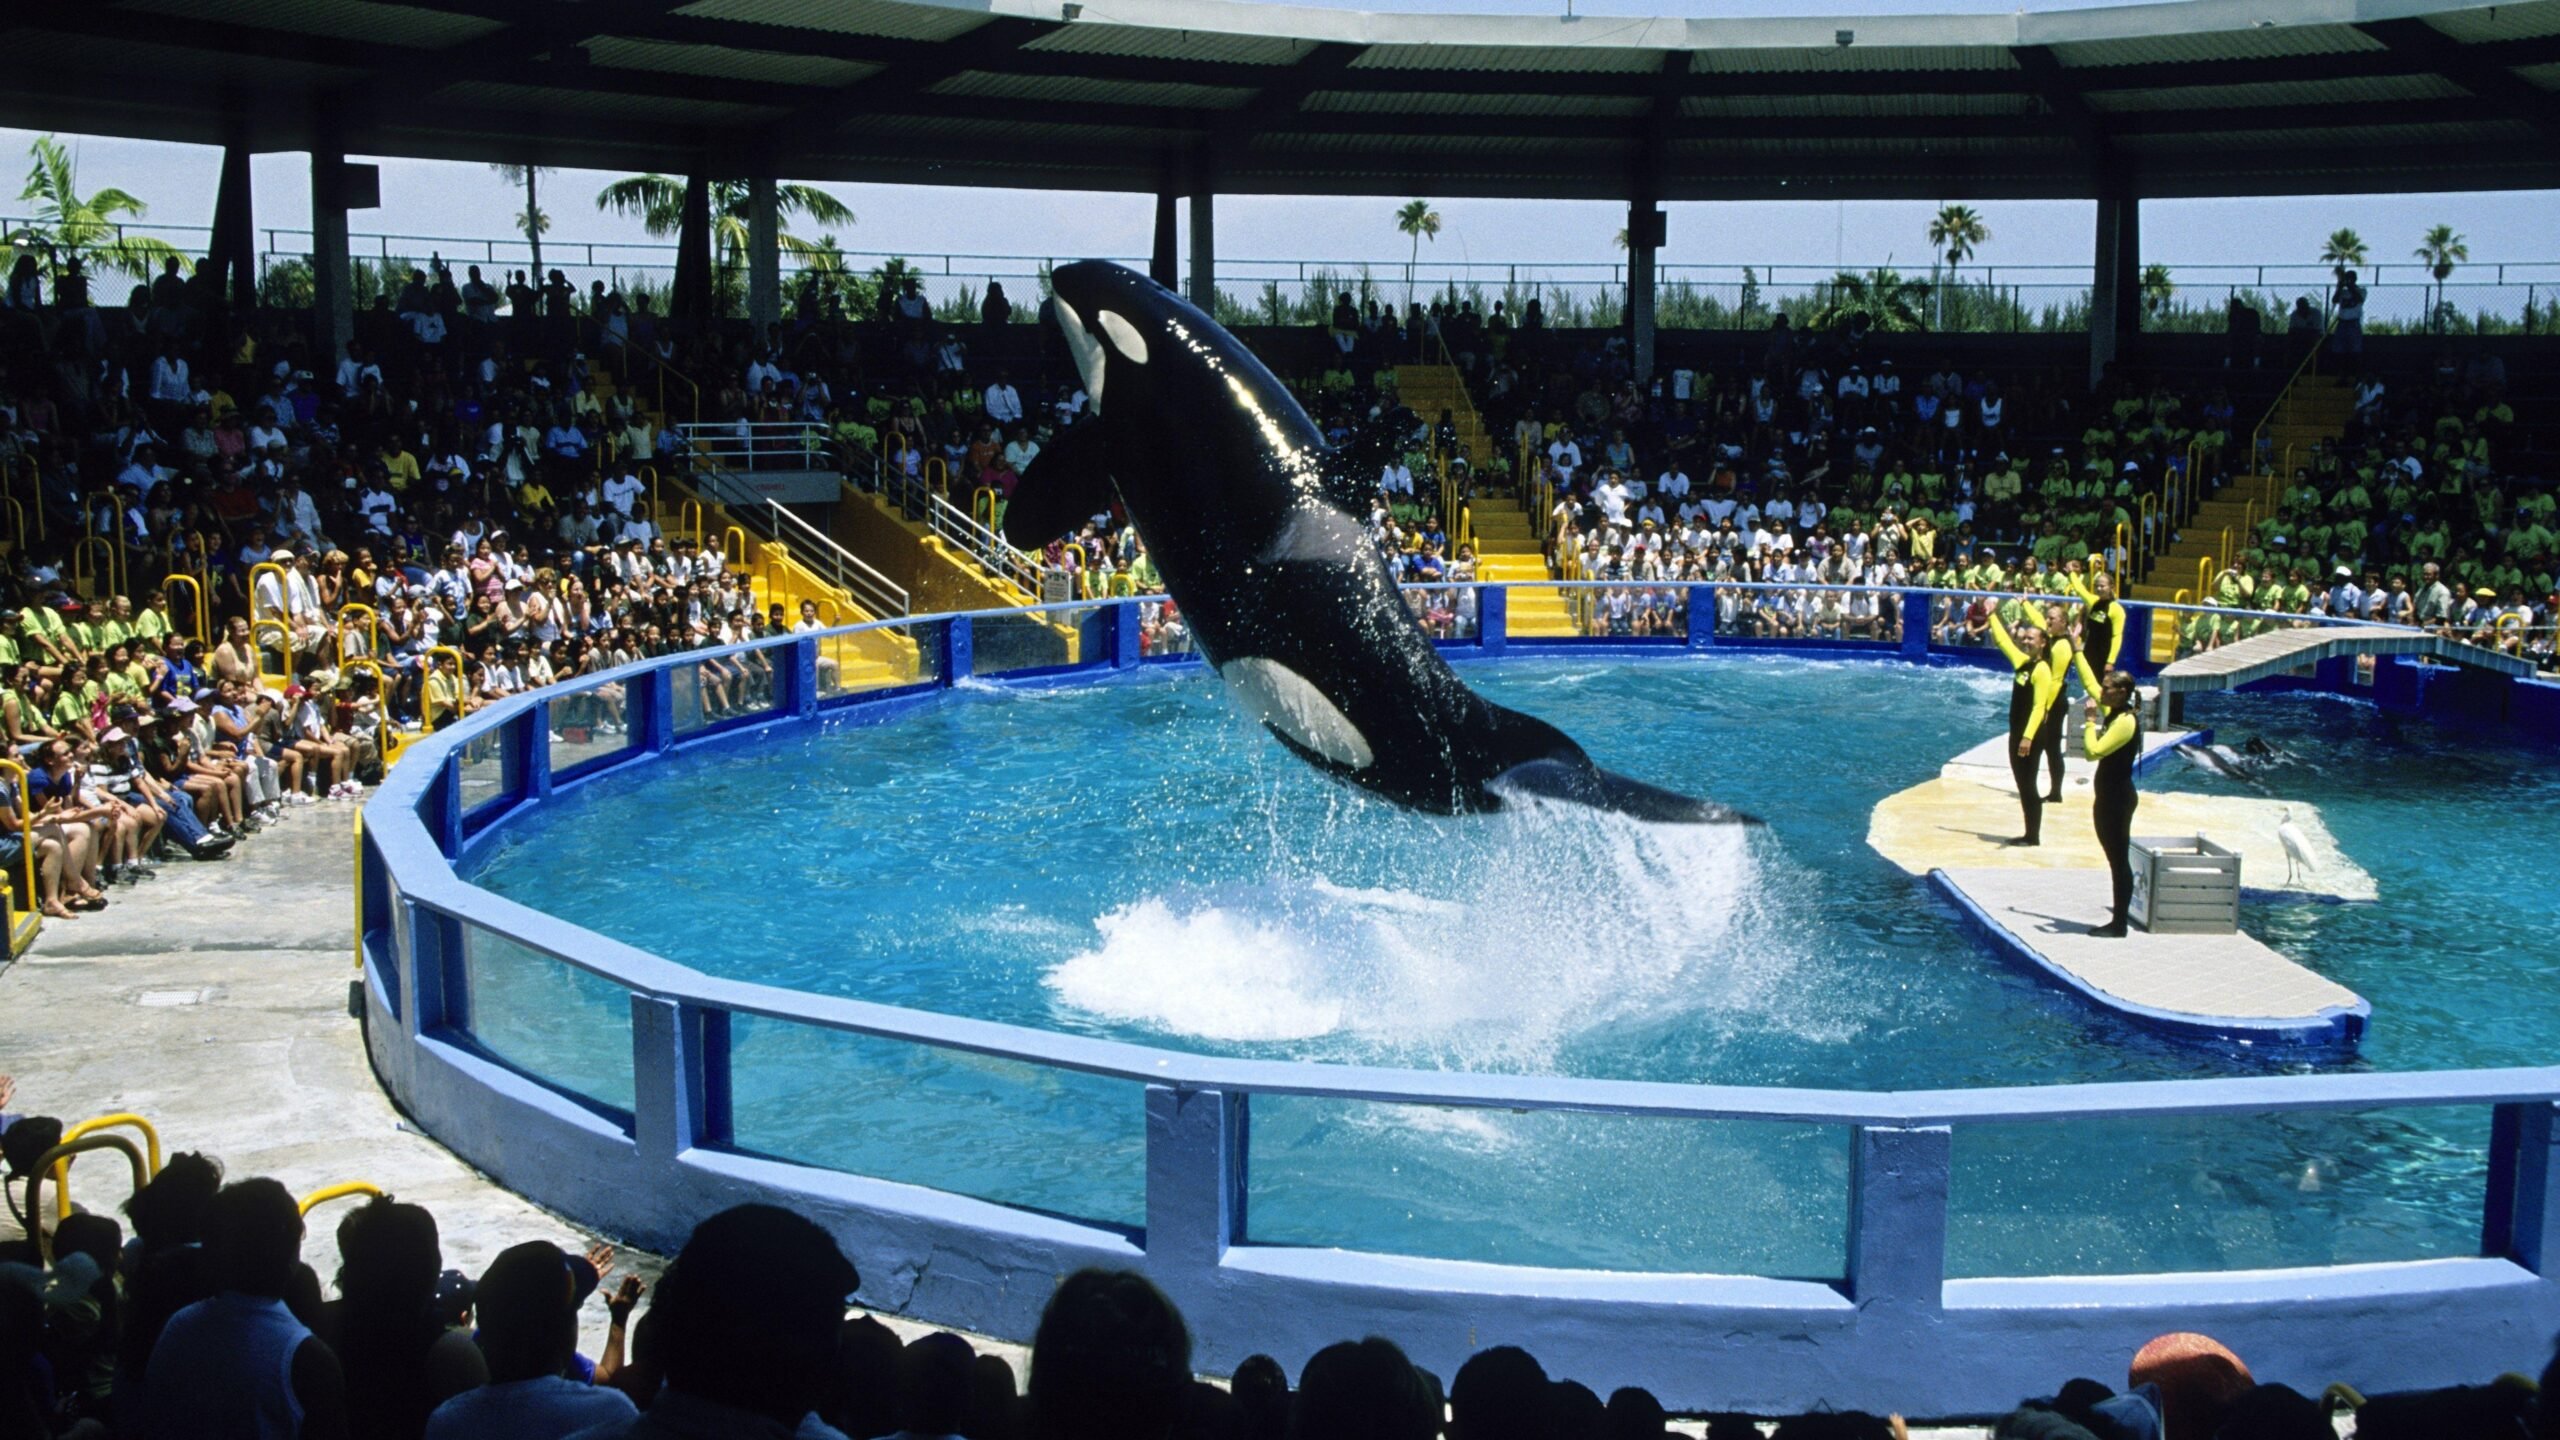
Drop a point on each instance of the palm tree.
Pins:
(2156, 287)
(2442, 248)
(68, 226)
(1421, 222)
(1891, 303)
(659, 202)
(2343, 247)
(535, 222)
(1955, 233)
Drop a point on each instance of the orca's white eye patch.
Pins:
(1124, 337)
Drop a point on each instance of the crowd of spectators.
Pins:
(206, 1324)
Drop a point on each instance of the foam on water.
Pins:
(1457, 964)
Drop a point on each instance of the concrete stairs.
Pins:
(2313, 411)
(1505, 535)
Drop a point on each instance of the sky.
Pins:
(444, 199)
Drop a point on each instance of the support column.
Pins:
(1645, 233)
(2115, 279)
(333, 296)
(690, 305)
(764, 250)
(1204, 249)
(234, 251)
(1165, 266)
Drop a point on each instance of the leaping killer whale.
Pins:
(1256, 526)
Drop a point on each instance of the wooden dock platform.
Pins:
(2281, 652)
(2228, 988)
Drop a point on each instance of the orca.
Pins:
(1257, 527)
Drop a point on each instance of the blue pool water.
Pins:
(1135, 860)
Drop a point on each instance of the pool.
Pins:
(1131, 859)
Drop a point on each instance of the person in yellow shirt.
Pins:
(441, 702)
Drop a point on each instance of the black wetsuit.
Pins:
(2049, 739)
(2022, 768)
(2116, 799)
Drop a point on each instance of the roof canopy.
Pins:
(2201, 97)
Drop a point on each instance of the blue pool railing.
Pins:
(643, 1151)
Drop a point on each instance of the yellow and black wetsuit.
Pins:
(2058, 657)
(2114, 739)
(2101, 626)
(2033, 696)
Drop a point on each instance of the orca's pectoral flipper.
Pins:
(1544, 761)
(1065, 485)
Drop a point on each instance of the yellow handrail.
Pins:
(24, 924)
(204, 614)
(121, 1120)
(2204, 575)
(284, 647)
(2123, 560)
(55, 1157)
(284, 583)
(982, 505)
(689, 519)
(461, 685)
(664, 370)
(937, 475)
(35, 491)
(17, 521)
(373, 631)
(2147, 513)
(89, 572)
(344, 1189)
(741, 537)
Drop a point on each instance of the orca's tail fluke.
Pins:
(1538, 759)
(1586, 784)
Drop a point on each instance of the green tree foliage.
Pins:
(658, 202)
(68, 225)
(1420, 221)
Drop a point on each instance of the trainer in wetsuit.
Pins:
(2035, 687)
(2059, 654)
(2102, 622)
(2113, 733)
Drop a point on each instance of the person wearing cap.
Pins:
(527, 1307)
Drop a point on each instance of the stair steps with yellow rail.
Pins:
(868, 661)
(2313, 411)
(1429, 389)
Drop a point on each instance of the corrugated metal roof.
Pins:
(2346, 137)
(1089, 38)
(1373, 102)
(41, 52)
(852, 17)
(386, 24)
(2546, 76)
(2501, 22)
(769, 66)
(1567, 59)
(1755, 60)
(1077, 89)
(1876, 106)
(2275, 42)
(2365, 90)
(591, 102)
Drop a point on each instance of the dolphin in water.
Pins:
(1257, 528)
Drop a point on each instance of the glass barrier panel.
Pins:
(593, 723)
(722, 687)
(1550, 1188)
(1162, 630)
(999, 644)
(1445, 612)
(881, 659)
(489, 763)
(1003, 1130)
(1541, 612)
(550, 1019)
(2141, 1195)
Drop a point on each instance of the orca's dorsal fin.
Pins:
(1065, 485)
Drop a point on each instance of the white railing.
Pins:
(748, 445)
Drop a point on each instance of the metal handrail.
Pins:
(204, 614)
(991, 549)
(51, 1162)
(31, 919)
(121, 1120)
(343, 1190)
(848, 572)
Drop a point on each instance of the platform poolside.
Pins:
(2222, 987)
(1963, 818)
